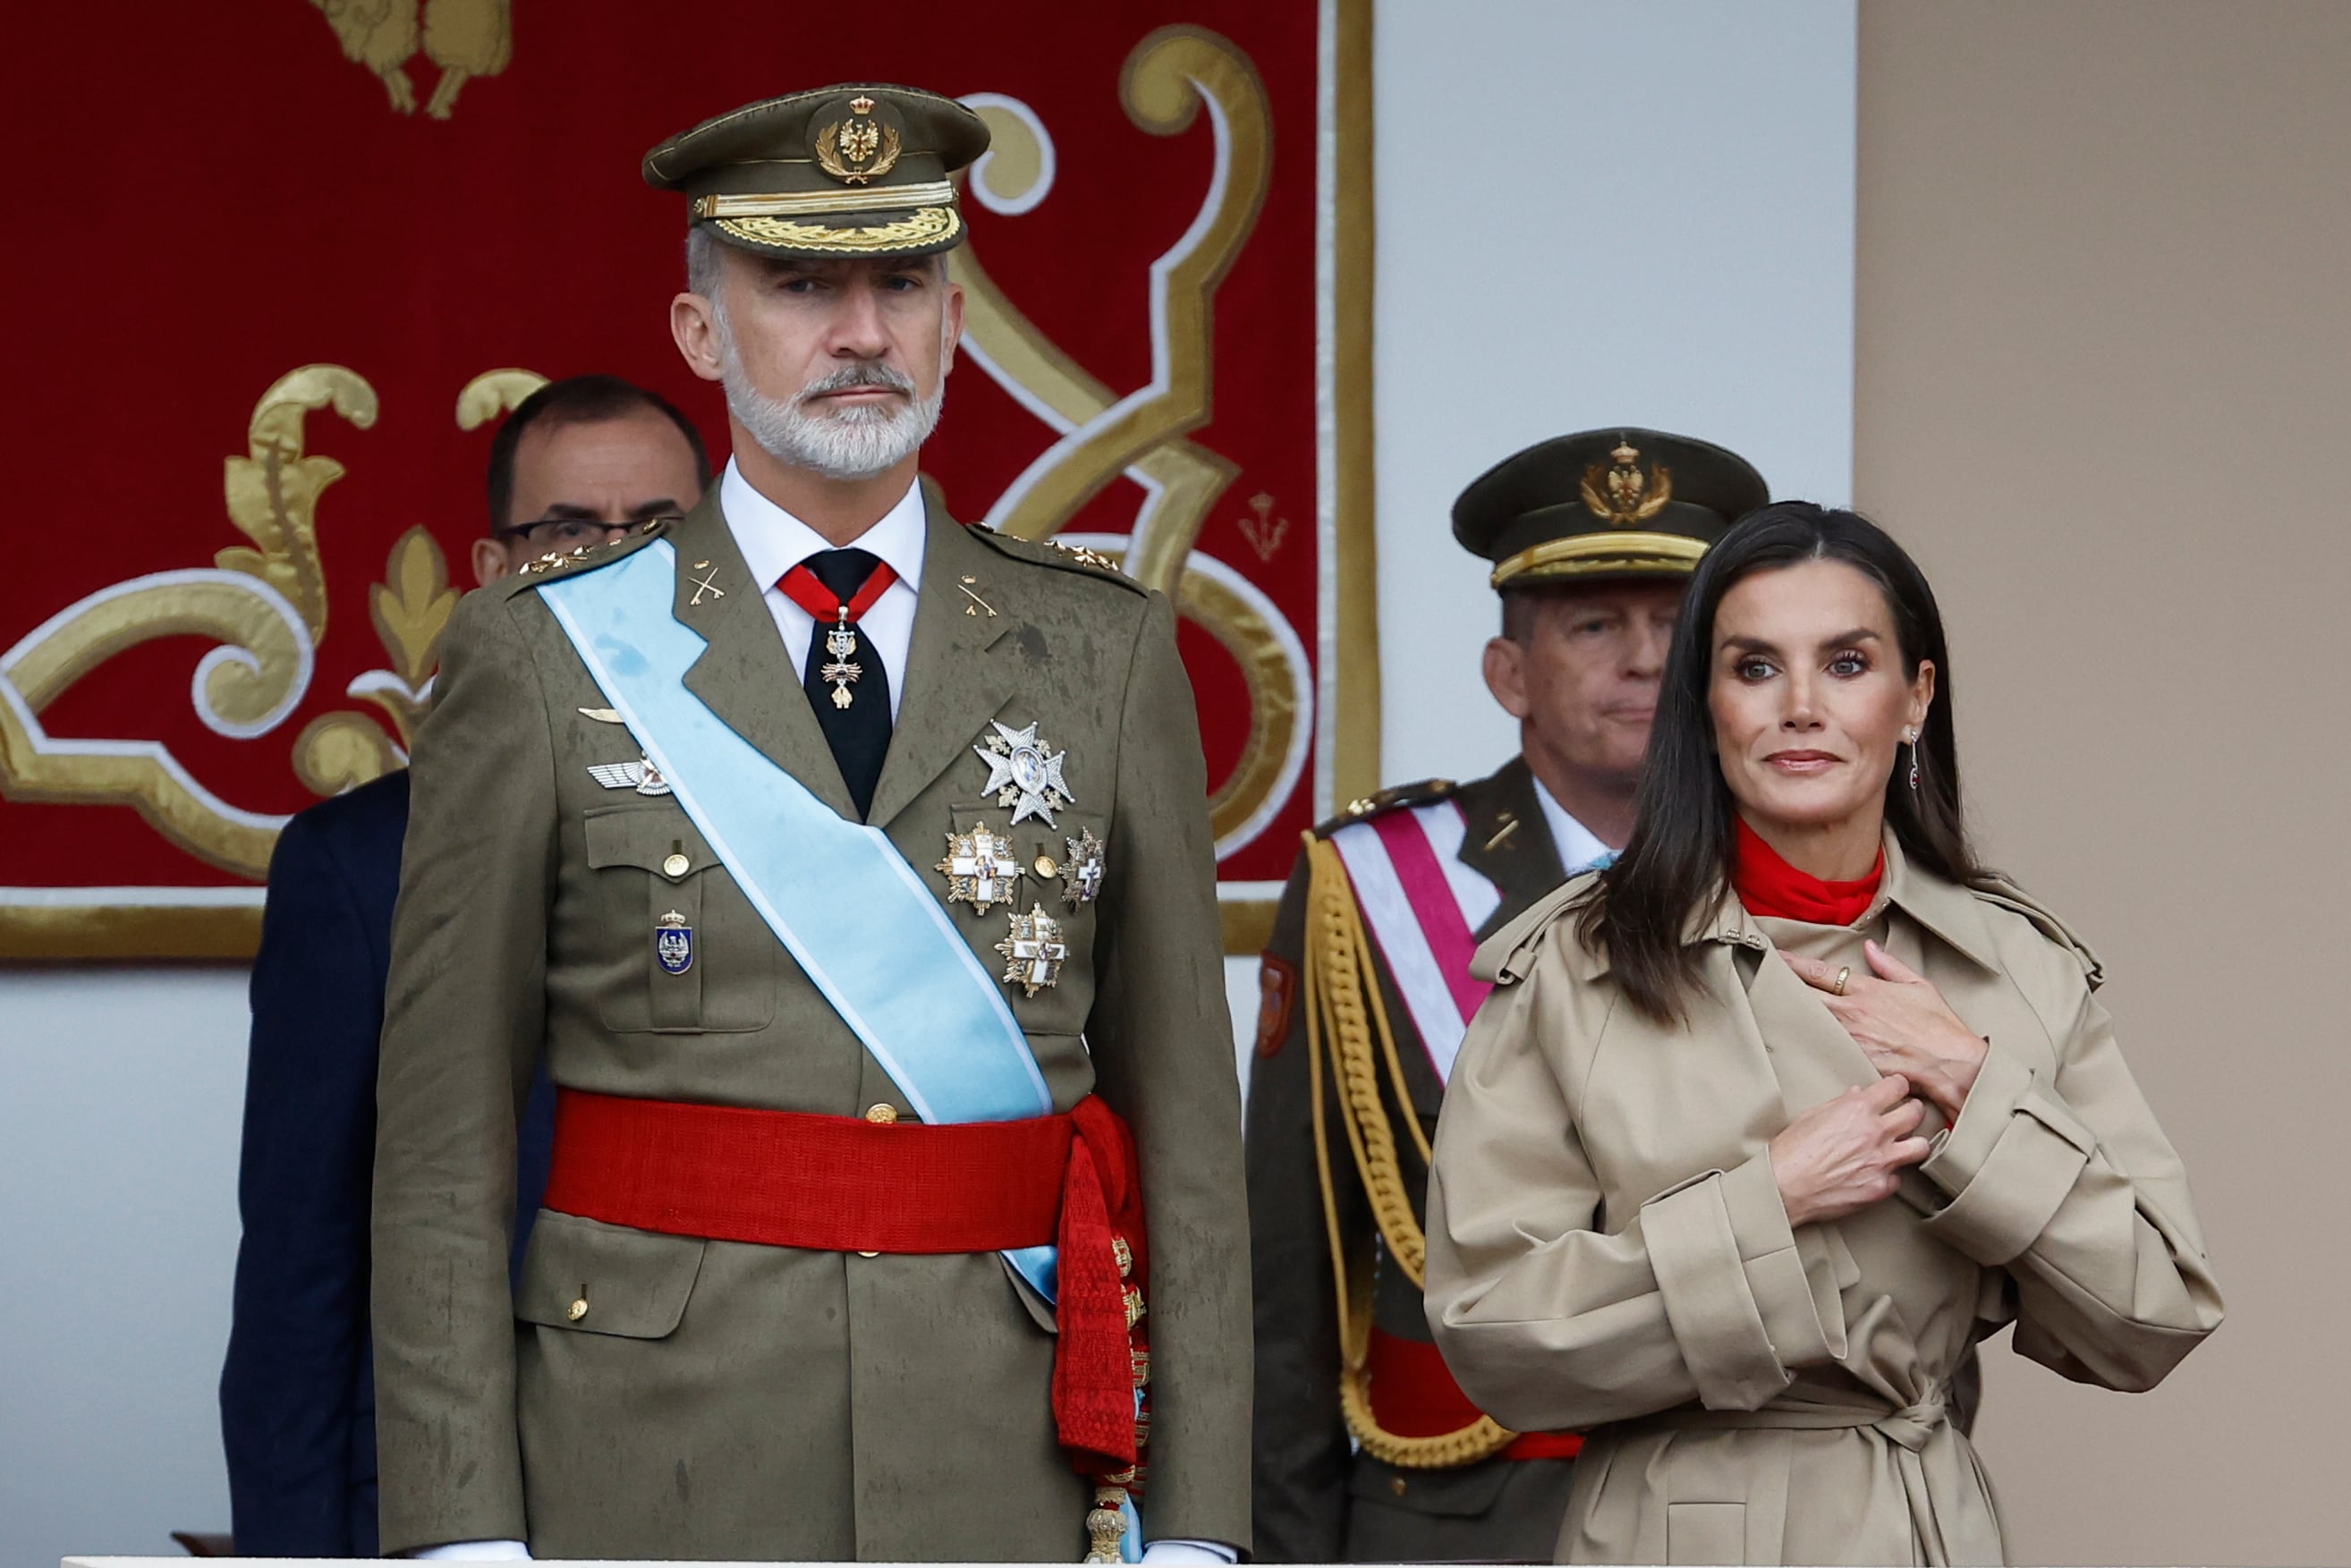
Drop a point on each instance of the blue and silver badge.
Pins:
(673, 943)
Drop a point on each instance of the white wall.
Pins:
(1589, 212)
(119, 1096)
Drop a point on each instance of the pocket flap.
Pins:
(594, 1277)
(647, 837)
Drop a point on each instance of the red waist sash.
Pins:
(842, 1184)
(1414, 1395)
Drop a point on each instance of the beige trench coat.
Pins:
(1608, 1248)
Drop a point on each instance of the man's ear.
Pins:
(954, 332)
(1505, 668)
(489, 563)
(693, 328)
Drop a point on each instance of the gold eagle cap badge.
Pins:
(860, 149)
(1620, 494)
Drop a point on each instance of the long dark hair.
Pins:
(1678, 860)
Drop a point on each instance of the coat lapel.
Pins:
(744, 675)
(1507, 841)
(959, 665)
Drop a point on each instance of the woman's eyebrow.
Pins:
(1764, 646)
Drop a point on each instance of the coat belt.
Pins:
(1911, 1426)
(843, 1184)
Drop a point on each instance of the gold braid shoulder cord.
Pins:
(1338, 983)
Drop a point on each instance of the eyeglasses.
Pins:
(571, 533)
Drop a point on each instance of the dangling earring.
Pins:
(1913, 739)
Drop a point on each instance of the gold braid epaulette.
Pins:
(1344, 1009)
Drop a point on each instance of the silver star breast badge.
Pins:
(1033, 950)
(1024, 773)
(980, 868)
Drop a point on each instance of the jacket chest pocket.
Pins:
(1055, 872)
(694, 957)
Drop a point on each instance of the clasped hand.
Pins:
(1846, 1154)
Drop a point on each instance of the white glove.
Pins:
(483, 1551)
(1177, 1549)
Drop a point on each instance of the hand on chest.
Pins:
(1661, 1104)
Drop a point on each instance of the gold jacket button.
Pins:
(882, 1115)
(1045, 866)
(1396, 1485)
(579, 1310)
(677, 865)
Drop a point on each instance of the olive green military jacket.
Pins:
(727, 1400)
(1316, 1499)
(1608, 1248)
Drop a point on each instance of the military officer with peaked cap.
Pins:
(851, 870)
(1591, 538)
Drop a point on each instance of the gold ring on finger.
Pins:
(1843, 975)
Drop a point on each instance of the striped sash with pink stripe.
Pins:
(1422, 907)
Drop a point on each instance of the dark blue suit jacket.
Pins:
(297, 1394)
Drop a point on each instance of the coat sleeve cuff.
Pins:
(1747, 1300)
(2008, 1162)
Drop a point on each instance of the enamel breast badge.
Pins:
(1081, 873)
(673, 943)
(980, 868)
(1024, 773)
(1033, 950)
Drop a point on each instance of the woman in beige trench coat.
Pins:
(1735, 1191)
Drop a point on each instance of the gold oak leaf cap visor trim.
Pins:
(1615, 502)
(853, 169)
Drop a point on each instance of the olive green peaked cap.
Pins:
(858, 168)
(1617, 502)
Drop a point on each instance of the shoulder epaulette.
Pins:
(1509, 953)
(1395, 798)
(2002, 894)
(1077, 558)
(586, 557)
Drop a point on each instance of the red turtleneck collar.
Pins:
(1769, 885)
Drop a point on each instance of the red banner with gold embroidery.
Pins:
(282, 266)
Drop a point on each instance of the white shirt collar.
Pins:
(1579, 847)
(773, 541)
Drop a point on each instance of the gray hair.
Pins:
(702, 264)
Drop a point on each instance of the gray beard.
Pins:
(846, 443)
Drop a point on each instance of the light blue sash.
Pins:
(837, 894)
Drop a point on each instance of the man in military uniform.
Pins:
(1593, 536)
(851, 870)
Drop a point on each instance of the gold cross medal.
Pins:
(980, 868)
(673, 943)
(1024, 773)
(1081, 873)
(1033, 950)
(840, 642)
